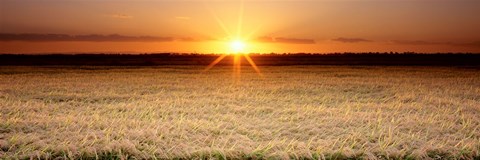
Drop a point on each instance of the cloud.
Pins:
(418, 42)
(469, 44)
(351, 40)
(187, 39)
(265, 39)
(285, 40)
(474, 44)
(92, 38)
(121, 16)
(191, 39)
(197, 38)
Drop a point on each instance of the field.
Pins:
(314, 112)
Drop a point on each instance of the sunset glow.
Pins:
(238, 52)
(202, 26)
(237, 46)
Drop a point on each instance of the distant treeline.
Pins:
(153, 59)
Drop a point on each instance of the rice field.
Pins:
(292, 112)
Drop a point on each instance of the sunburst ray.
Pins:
(240, 19)
(219, 22)
(214, 62)
(254, 66)
(237, 56)
(237, 66)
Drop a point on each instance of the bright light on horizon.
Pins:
(237, 46)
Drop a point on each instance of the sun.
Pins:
(237, 46)
(238, 53)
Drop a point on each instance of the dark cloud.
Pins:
(294, 40)
(285, 40)
(472, 44)
(351, 40)
(93, 38)
(265, 39)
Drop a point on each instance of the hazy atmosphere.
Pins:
(206, 26)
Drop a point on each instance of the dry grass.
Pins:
(293, 112)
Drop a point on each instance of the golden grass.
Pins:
(314, 112)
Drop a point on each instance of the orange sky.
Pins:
(207, 26)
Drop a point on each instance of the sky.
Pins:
(264, 26)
